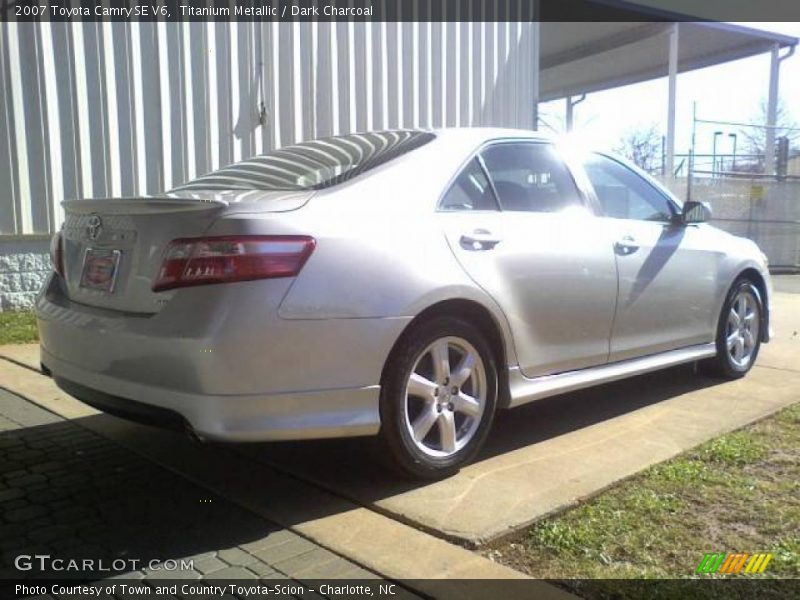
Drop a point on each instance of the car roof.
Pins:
(481, 134)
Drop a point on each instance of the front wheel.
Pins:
(438, 398)
(738, 332)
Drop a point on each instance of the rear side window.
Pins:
(470, 191)
(530, 177)
(312, 165)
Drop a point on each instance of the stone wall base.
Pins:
(24, 265)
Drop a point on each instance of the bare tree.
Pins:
(642, 146)
(754, 139)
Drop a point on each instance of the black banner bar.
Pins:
(392, 10)
(732, 588)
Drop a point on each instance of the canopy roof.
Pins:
(577, 58)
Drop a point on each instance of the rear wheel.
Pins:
(738, 332)
(438, 398)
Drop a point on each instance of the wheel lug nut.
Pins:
(438, 408)
(450, 406)
(454, 390)
(436, 392)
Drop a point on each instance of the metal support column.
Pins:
(673, 81)
(772, 110)
(536, 34)
(571, 104)
(569, 113)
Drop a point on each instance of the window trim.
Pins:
(482, 163)
(672, 203)
(587, 201)
(451, 184)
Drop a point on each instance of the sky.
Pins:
(727, 92)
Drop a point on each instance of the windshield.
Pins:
(312, 165)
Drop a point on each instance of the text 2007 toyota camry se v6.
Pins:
(400, 283)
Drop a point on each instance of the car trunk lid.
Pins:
(113, 248)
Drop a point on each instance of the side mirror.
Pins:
(695, 212)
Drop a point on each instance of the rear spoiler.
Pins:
(142, 205)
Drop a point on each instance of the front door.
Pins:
(529, 241)
(667, 278)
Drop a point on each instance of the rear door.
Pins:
(519, 226)
(667, 274)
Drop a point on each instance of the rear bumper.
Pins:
(289, 416)
(222, 360)
(131, 410)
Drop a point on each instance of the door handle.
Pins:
(627, 244)
(480, 239)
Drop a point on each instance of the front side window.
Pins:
(470, 191)
(530, 177)
(624, 194)
(312, 165)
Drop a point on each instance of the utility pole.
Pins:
(714, 154)
(782, 162)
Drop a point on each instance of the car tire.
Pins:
(434, 419)
(739, 331)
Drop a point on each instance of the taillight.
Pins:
(57, 253)
(201, 261)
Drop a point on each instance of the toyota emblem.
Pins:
(94, 228)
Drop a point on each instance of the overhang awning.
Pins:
(577, 58)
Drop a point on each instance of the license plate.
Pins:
(100, 269)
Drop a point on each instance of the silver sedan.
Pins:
(401, 283)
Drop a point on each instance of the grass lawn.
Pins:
(18, 328)
(737, 493)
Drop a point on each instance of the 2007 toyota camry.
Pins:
(400, 283)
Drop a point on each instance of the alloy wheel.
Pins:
(742, 330)
(445, 396)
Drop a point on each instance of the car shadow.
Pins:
(565, 413)
(354, 467)
(668, 242)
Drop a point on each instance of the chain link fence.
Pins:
(764, 210)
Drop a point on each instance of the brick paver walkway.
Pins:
(70, 493)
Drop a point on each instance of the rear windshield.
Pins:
(312, 165)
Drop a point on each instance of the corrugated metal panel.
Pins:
(107, 109)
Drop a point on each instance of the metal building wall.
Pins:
(107, 109)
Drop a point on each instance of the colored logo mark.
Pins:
(733, 564)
